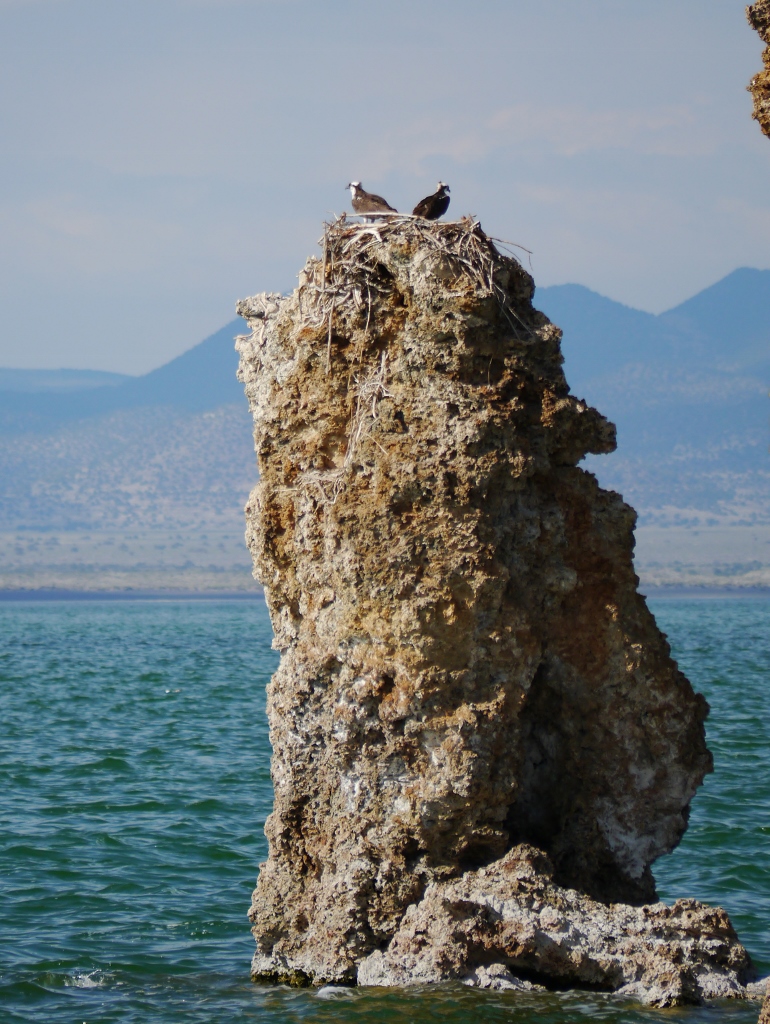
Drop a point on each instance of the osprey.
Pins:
(367, 202)
(435, 206)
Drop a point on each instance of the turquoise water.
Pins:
(134, 772)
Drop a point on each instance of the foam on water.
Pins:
(134, 768)
(84, 979)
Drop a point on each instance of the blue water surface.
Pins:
(134, 773)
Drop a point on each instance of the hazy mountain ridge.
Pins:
(201, 378)
(724, 326)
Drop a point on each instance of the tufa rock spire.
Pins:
(467, 670)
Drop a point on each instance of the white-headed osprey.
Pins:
(367, 202)
(435, 206)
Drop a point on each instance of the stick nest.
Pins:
(351, 268)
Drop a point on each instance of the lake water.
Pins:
(134, 773)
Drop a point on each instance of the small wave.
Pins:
(108, 763)
(334, 992)
(86, 979)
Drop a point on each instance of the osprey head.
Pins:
(442, 185)
(353, 185)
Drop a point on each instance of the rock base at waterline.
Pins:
(508, 926)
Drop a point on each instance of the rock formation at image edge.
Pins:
(480, 740)
(759, 87)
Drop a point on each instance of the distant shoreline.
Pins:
(761, 593)
(131, 595)
(53, 594)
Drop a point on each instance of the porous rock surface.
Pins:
(759, 19)
(764, 1013)
(510, 914)
(466, 665)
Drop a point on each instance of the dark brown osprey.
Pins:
(435, 206)
(367, 202)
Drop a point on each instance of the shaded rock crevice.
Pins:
(466, 665)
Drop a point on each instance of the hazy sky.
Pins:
(162, 158)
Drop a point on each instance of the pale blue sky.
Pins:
(161, 159)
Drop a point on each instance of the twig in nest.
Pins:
(370, 387)
(515, 245)
(323, 269)
(329, 339)
(369, 310)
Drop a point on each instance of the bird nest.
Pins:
(350, 270)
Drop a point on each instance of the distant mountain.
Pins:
(201, 378)
(726, 326)
(688, 391)
(600, 335)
